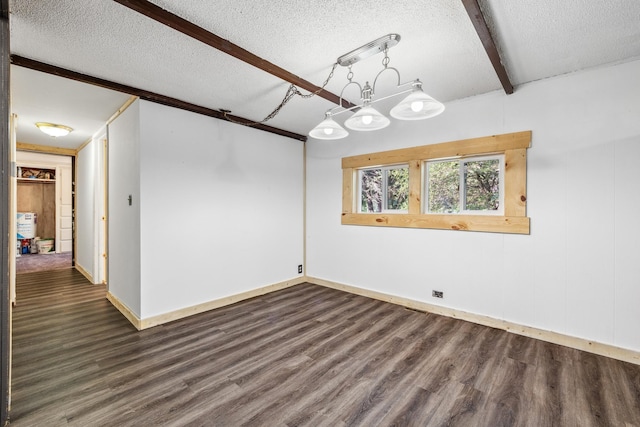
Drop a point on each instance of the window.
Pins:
(477, 184)
(472, 185)
(384, 189)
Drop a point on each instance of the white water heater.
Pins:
(27, 223)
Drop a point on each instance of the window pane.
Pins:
(371, 190)
(482, 185)
(444, 187)
(398, 189)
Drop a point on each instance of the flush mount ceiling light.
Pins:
(416, 106)
(53, 129)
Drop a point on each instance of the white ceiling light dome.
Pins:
(367, 119)
(328, 129)
(417, 106)
(54, 130)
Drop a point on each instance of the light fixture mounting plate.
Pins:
(369, 49)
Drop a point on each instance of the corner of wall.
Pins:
(126, 311)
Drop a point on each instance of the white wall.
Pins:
(85, 212)
(90, 207)
(221, 208)
(217, 209)
(124, 220)
(577, 273)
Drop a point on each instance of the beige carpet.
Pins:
(30, 263)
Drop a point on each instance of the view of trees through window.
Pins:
(444, 187)
(384, 189)
(453, 186)
(482, 185)
(371, 190)
(480, 181)
(476, 184)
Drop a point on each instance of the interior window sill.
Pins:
(486, 223)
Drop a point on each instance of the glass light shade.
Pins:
(54, 130)
(328, 129)
(417, 106)
(368, 118)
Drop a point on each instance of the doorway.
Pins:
(44, 202)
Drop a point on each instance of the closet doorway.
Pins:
(44, 203)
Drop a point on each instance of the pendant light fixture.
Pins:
(328, 129)
(416, 106)
(367, 118)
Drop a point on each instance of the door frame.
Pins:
(6, 172)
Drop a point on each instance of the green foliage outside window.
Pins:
(444, 187)
(398, 189)
(453, 186)
(482, 185)
(371, 190)
(480, 181)
(384, 189)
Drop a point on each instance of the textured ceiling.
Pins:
(39, 97)
(537, 39)
(545, 38)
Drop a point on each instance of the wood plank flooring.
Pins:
(303, 356)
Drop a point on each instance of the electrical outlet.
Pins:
(437, 294)
(300, 269)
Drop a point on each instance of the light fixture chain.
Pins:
(291, 92)
(350, 75)
(326, 82)
(386, 59)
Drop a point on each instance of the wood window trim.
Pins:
(514, 147)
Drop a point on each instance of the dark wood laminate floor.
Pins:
(304, 356)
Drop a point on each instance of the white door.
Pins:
(64, 241)
(101, 210)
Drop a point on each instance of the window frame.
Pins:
(513, 219)
(385, 187)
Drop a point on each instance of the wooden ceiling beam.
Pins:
(146, 95)
(190, 29)
(480, 24)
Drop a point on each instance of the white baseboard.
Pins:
(199, 308)
(84, 272)
(210, 305)
(607, 350)
(126, 311)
